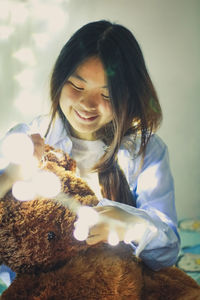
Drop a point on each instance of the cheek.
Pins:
(68, 96)
(106, 109)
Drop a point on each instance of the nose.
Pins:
(89, 102)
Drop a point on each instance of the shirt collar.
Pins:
(58, 135)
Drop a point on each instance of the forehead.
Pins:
(91, 71)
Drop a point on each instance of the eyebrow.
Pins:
(75, 75)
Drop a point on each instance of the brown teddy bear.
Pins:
(37, 242)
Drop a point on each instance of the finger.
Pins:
(101, 228)
(13, 171)
(38, 152)
(103, 208)
(36, 138)
(97, 233)
(38, 142)
(112, 212)
(92, 240)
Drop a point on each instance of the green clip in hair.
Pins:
(110, 72)
(153, 105)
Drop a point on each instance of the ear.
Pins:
(59, 157)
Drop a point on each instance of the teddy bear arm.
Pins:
(94, 274)
(169, 284)
(23, 287)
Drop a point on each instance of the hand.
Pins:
(38, 143)
(118, 220)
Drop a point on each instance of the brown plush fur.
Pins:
(37, 242)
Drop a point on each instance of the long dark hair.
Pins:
(134, 101)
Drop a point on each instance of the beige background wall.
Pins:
(169, 34)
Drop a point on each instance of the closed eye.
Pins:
(105, 97)
(76, 87)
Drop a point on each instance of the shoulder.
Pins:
(156, 153)
(40, 124)
(155, 146)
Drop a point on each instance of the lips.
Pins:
(85, 117)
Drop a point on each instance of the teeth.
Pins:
(84, 117)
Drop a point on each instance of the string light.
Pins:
(113, 238)
(3, 163)
(17, 148)
(13, 15)
(29, 168)
(87, 217)
(134, 233)
(42, 183)
(140, 233)
(46, 184)
(23, 190)
(81, 233)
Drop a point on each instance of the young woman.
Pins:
(105, 112)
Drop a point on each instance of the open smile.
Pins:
(85, 118)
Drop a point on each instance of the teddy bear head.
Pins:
(38, 234)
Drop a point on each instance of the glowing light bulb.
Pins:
(17, 148)
(3, 163)
(87, 216)
(29, 168)
(81, 232)
(113, 238)
(134, 233)
(23, 191)
(47, 184)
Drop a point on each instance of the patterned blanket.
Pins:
(189, 258)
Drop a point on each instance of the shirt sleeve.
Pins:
(154, 193)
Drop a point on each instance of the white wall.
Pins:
(169, 34)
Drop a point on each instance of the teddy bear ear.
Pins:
(59, 157)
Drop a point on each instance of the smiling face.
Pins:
(85, 99)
